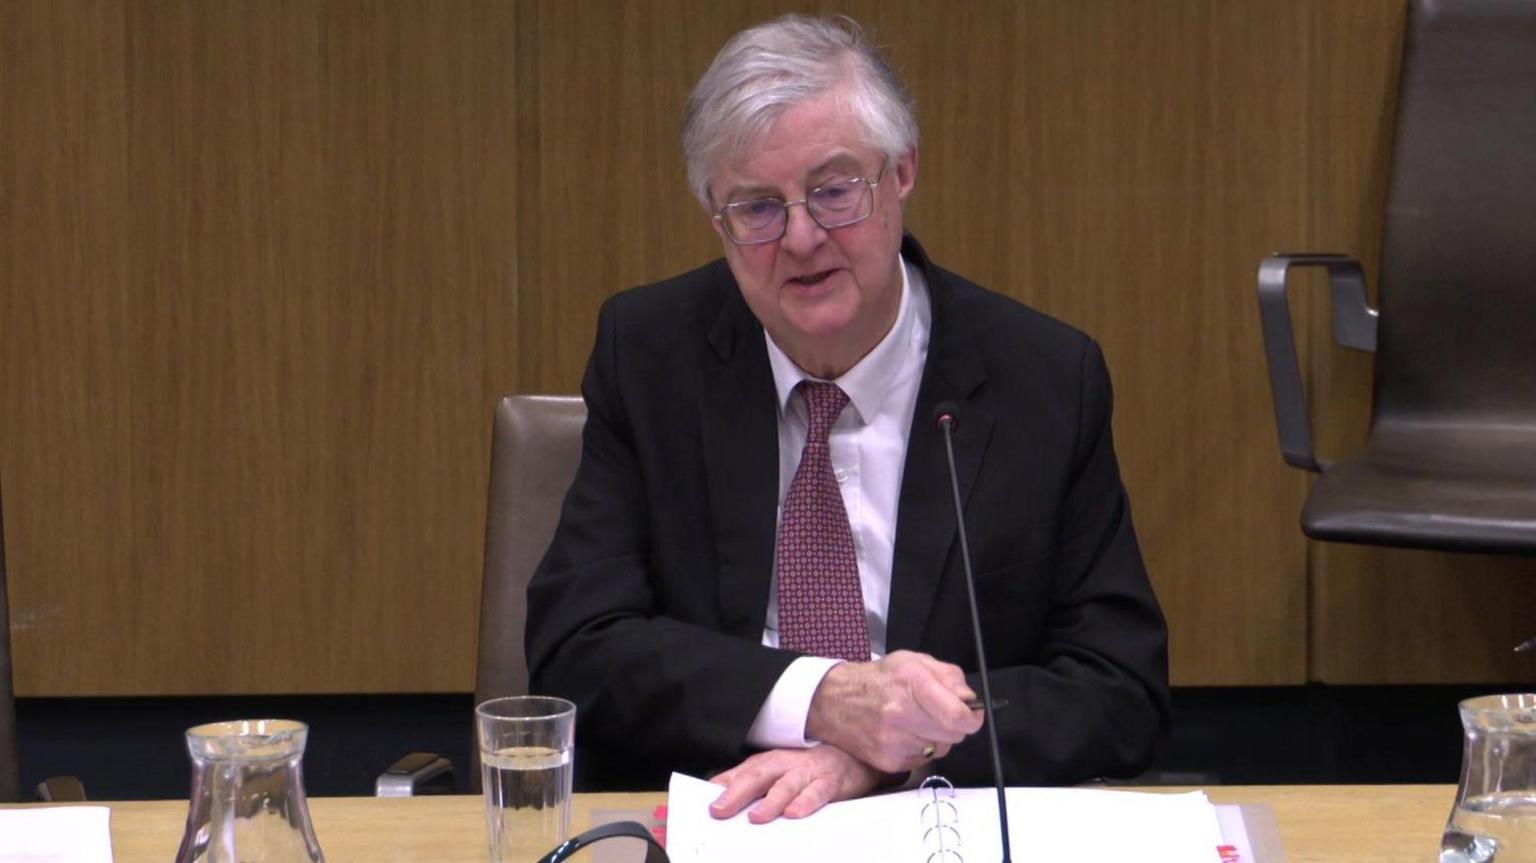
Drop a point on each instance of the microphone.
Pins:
(944, 418)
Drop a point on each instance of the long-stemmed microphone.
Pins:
(944, 418)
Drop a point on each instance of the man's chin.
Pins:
(828, 324)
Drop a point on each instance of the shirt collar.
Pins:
(871, 379)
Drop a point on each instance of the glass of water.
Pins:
(525, 771)
(1495, 814)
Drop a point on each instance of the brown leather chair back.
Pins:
(10, 768)
(536, 447)
(1457, 338)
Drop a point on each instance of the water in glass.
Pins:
(525, 770)
(527, 799)
(1494, 819)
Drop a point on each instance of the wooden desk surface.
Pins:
(1318, 824)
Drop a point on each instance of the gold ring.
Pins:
(928, 751)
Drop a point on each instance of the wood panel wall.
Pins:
(265, 266)
(258, 261)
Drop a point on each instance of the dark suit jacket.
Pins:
(648, 609)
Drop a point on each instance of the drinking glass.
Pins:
(525, 771)
(1494, 820)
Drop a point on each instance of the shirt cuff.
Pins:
(780, 722)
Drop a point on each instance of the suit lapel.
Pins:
(741, 461)
(925, 519)
(740, 432)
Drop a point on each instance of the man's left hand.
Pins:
(792, 782)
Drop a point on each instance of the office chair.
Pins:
(53, 789)
(1450, 462)
(535, 448)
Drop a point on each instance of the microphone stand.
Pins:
(945, 418)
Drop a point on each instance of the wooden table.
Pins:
(1318, 824)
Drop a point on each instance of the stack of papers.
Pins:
(58, 834)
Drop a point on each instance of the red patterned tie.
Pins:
(821, 605)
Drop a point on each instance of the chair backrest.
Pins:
(536, 447)
(10, 766)
(1458, 264)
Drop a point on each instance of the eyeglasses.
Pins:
(834, 205)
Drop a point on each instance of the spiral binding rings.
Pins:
(940, 817)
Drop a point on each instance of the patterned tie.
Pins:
(821, 605)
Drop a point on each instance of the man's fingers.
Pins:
(949, 720)
(888, 711)
(743, 784)
(948, 693)
(951, 675)
(939, 691)
(785, 790)
(791, 783)
(729, 803)
(816, 794)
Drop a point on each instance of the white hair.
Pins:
(765, 70)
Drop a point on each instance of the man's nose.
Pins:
(802, 235)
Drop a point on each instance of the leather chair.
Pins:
(536, 445)
(1450, 462)
(54, 789)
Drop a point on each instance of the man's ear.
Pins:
(906, 174)
(709, 213)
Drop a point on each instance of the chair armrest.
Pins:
(61, 789)
(1354, 326)
(417, 774)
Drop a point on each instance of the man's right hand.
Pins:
(894, 713)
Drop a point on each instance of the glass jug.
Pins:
(247, 803)
(1494, 820)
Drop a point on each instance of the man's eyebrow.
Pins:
(749, 192)
(843, 161)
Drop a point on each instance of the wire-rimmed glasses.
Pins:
(837, 204)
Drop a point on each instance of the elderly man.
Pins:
(757, 568)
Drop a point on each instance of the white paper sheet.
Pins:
(56, 834)
(1044, 824)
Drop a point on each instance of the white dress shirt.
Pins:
(868, 445)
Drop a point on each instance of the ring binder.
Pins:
(940, 818)
(936, 821)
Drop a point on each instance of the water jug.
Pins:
(247, 803)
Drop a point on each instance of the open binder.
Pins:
(938, 823)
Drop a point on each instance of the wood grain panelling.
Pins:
(258, 279)
(267, 264)
(1401, 616)
(64, 349)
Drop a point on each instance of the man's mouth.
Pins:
(812, 278)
